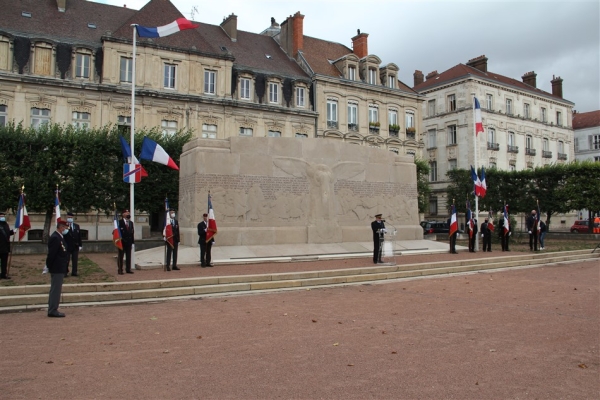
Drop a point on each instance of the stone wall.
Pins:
(291, 190)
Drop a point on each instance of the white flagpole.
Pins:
(475, 162)
(132, 165)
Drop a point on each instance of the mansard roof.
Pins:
(586, 120)
(462, 71)
(71, 26)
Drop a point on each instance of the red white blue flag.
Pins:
(491, 221)
(131, 160)
(483, 188)
(506, 220)
(477, 188)
(22, 224)
(178, 25)
(117, 232)
(153, 151)
(168, 230)
(470, 221)
(478, 123)
(211, 230)
(453, 222)
(57, 205)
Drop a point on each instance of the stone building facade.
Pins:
(586, 127)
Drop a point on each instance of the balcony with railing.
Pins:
(546, 154)
(512, 149)
(411, 133)
(529, 151)
(332, 124)
(394, 129)
(353, 127)
(562, 156)
(493, 146)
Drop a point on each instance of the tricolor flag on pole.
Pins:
(178, 25)
(152, 151)
(491, 221)
(506, 220)
(131, 160)
(168, 229)
(453, 222)
(57, 204)
(211, 230)
(470, 221)
(117, 232)
(478, 123)
(483, 189)
(22, 222)
(477, 188)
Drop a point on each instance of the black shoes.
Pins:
(175, 268)
(56, 314)
(210, 265)
(168, 268)
(129, 272)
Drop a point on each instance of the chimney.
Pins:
(557, 86)
(272, 30)
(360, 44)
(432, 74)
(292, 34)
(529, 78)
(418, 77)
(62, 5)
(229, 25)
(479, 63)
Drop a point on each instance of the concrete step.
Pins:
(35, 297)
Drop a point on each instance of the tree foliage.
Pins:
(423, 188)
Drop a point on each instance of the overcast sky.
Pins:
(559, 38)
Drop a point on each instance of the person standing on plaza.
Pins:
(57, 262)
(127, 239)
(5, 234)
(74, 244)
(531, 224)
(543, 231)
(172, 240)
(205, 247)
(378, 228)
(486, 234)
(452, 230)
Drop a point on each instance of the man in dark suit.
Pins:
(175, 236)
(472, 236)
(74, 244)
(57, 261)
(504, 238)
(205, 247)
(378, 228)
(127, 239)
(5, 234)
(486, 234)
(531, 223)
(452, 238)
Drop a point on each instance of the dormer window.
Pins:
(352, 73)
(392, 81)
(372, 76)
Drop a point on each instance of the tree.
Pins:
(423, 188)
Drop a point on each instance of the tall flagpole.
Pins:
(475, 162)
(132, 165)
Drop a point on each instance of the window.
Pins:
(558, 118)
(39, 116)
(82, 65)
(452, 102)
(245, 131)
(392, 81)
(511, 138)
(300, 96)
(452, 164)
(124, 125)
(209, 131)
(492, 164)
(410, 119)
(545, 144)
(352, 73)
(301, 135)
(126, 69)
(373, 113)
(596, 158)
(332, 113)
(431, 108)
(4, 48)
(81, 119)
(372, 76)
(489, 99)
(3, 115)
(544, 115)
(169, 128)
(393, 117)
(576, 144)
(395, 150)
(352, 116)
(169, 81)
(509, 109)
(245, 88)
(432, 137)
(491, 136)
(274, 134)
(210, 82)
(452, 134)
(561, 147)
(433, 171)
(526, 113)
(512, 167)
(273, 92)
(594, 142)
(528, 142)
(42, 59)
(433, 206)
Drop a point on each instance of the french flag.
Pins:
(470, 221)
(168, 230)
(152, 151)
(179, 24)
(131, 160)
(117, 232)
(57, 205)
(22, 223)
(478, 123)
(211, 229)
(483, 189)
(453, 222)
(477, 183)
(506, 220)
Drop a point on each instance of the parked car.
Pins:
(434, 227)
(581, 226)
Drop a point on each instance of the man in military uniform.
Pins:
(74, 244)
(57, 261)
(531, 223)
(486, 234)
(205, 247)
(378, 228)
(127, 239)
(175, 240)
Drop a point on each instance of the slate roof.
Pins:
(69, 26)
(318, 53)
(586, 120)
(461, 71)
